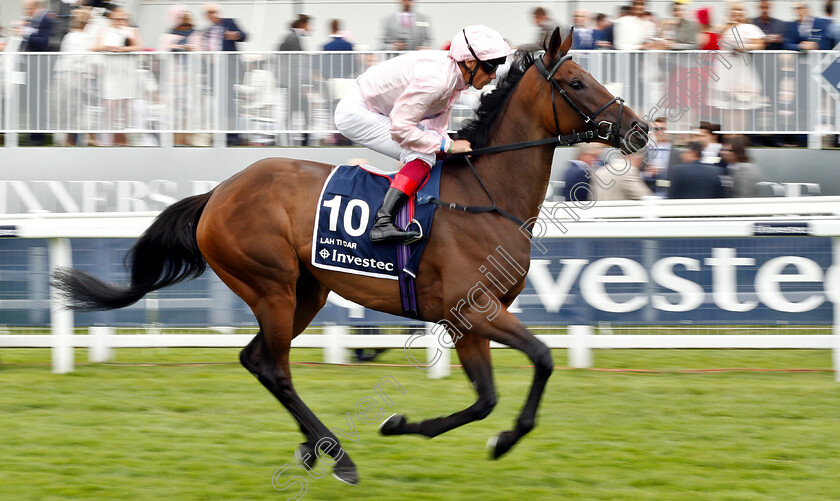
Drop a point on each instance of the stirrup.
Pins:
(411, 240)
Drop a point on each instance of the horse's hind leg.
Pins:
(474, 353)
(267, 357)
(311, 297)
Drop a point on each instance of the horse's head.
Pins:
(580, 103)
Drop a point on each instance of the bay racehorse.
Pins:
(255, 231)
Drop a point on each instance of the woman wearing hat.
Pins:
(401, 108)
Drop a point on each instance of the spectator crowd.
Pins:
(635, 28)
(705, 164)
(94, 26)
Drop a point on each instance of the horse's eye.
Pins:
(576, 84)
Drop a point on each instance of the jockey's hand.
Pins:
(461, 146)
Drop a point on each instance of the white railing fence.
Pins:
(423, 347)
(287, 98)
(618, 220)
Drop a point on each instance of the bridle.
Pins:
(608, 131)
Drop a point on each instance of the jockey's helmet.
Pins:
(479, 43)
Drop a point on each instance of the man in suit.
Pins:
(804, 34)
(576, 179)
(406, 29)
(223, 35)
(773, 28)
(337, 41)
(708, 137)
(619, 179)
(36, 28)
(583, 37)
(545, 27)
(660, 157)
(808, 32)
(338, 66)
(603, 32)
(294, 40)
(694, 179)
(35, 31)
(683, 32)
(298, 76)
(766, 65)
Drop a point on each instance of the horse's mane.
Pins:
(477, 130)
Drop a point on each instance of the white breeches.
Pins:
(359, 124)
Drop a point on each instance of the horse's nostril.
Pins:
(641, 126)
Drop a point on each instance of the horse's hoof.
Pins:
(500, 444)
(305, 454)
(346, 474)
(392, 425)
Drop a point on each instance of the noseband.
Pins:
(608, 131)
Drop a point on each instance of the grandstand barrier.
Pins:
(652, 231)
(288, 98)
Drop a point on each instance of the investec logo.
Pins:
(362, 262)
(771, 283)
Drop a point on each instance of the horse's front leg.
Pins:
(503, 327)
(474, 353)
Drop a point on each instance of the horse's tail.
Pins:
(166, 253)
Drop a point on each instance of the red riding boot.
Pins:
(402, 188)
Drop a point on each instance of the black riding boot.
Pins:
(384, 229)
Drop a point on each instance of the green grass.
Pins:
(212, 431)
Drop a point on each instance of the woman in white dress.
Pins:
(74, 79)
(119, 84)
(738, 90)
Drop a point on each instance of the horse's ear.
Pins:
(553, 44)
(567, 43)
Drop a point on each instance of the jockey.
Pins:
(401, 108)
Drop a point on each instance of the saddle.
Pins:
(345, 214)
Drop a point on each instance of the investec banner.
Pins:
(701, 281)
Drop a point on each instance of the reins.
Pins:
(565, 140)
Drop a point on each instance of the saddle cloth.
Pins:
(345, 214)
